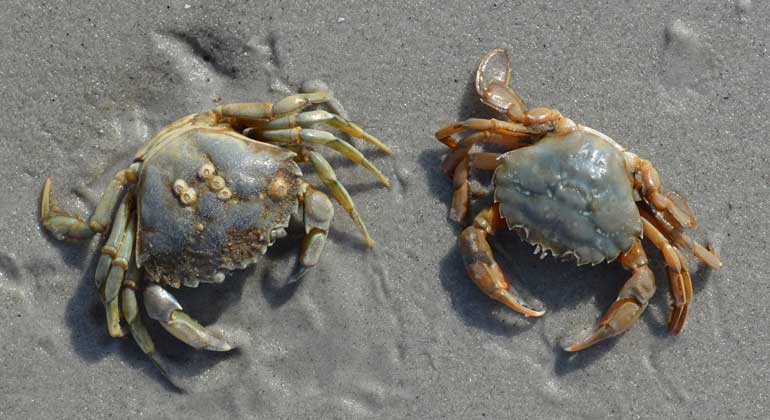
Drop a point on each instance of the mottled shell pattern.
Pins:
(570, 195)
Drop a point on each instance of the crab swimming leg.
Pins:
(673, 232)
(631, 302)
(164, 308)
(312, 118)
(481, 265)
(65, 225)
(298, 135)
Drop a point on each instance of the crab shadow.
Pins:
(558, 285)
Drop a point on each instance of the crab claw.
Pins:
(492, 79)
(630, 304)
(163, 307)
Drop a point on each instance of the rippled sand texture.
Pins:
(396, 332)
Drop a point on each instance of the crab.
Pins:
(206, 195)
(572, 191)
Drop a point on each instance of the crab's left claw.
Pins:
(163, 307)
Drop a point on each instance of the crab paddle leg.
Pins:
(678, 276)
(329, 178)
(65, 225)
(631, 302)
(163, 307)
(481, 265)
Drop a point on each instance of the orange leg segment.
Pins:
(481, 265)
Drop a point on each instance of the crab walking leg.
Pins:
(329, 178)
(299, 135)
(460, 194)
(682, 240)
(631, 302)
(164, 308)
(319, 116)
(110, 249)
(252, 112)
(65, 225)
(464, 146)
(111, 287)
(507, 128)
(678, 276)
(318, 214)
(130, 311)
(649, 187)
(481, 265)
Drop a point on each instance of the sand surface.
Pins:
(399, 331)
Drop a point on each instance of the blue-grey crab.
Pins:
(571, 191)
(206, 195)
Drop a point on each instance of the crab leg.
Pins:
(461, 194)
(683, 241)
(631, 302)
(649, 184)
(253, 112)
(464, 146)
(481, 265)
(506, 128)
(130, 311)
(65, 225)
(111, 287)
(329, 178)
(678, 276)
(492, 85)
(318, 214)
(319, 116)
(298, 135)
(163, 307)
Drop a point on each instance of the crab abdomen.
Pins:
(183, 243)
(572, 194)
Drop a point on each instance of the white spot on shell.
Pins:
(188, 196)
(218, 277)
(179, 186)
(206, 171)
(217, 183)
(224, 194)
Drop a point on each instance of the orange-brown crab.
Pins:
(570, 190)
(206, 195)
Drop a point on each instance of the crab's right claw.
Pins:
(492, 78)
(163, 307)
